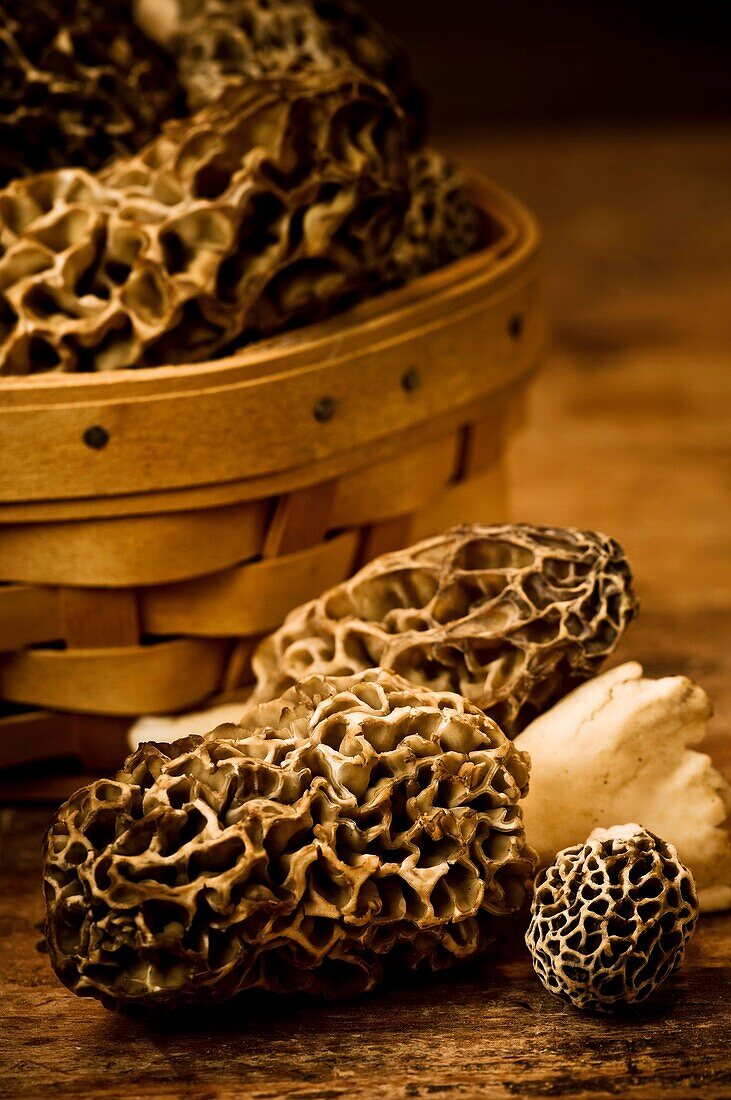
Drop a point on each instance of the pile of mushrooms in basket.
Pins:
(429, 755)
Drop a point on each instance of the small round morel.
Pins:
(611, 918)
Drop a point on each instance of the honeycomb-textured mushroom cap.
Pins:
(274, 205)
(442, 222)
(80, 85)
(216, 40)
(611, 918)
(350, 823)
(511, 617)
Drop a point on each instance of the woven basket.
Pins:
(155, 523)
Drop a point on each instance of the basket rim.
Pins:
(519, 238)
(250, 426)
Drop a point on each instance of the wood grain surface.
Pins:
(629, 432)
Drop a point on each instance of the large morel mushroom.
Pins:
(271, 207)
(511, 617)
(215, 41)
(351, 823)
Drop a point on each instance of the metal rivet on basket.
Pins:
(411, 380)
(324, 409)
(96, 437)
(515, 326)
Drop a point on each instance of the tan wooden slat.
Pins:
(99, 618)
(394, 488)
(97, 742)
(479, 499)
(251, 599)
(167, 676)
(381, 538)
(238, 671)
(35, 736)
(482, 442)
(485, 437)
(133, 550)
(300, 519)
(488, 435)
(358, 458)
(28, 615)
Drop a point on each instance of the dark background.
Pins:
(552, 61)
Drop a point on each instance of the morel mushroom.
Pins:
(217, 40)
(272, 206)
(351, 823)
(511, 617)
(80, 85)
(611, 918)
(442, 223)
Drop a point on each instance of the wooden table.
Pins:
(630, 433)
